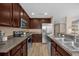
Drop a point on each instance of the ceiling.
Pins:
(57, 10)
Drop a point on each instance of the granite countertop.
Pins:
(72, 53)
(11, 43)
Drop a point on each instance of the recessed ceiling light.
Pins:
(33, 13)
(45, 13)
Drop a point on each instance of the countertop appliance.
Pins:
(17, 33)
(23, 23)
(47, 28)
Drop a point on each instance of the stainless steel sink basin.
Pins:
(64, 40)
(72, 45)
(69, 43)
(76, 44)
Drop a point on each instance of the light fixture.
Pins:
(45, 13)
(33, 13)
(21, 13)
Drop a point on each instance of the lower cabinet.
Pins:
(57, 54)
(62, 51)
(36, 38)
(56, 50)
(18, 53)
(24, 48)
(19, 50)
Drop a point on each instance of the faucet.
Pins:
(63, 37)
(75, 37)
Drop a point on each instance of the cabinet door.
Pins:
(53, 51)
(36, 38)
(24, 50)
(57, 54)
(35, 24)
(53, 48)
(5, 14)
(62, 51)
(24, 16)
(16, 15)
(18, 53)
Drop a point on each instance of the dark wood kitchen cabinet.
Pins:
(53, 48)
(19, 50)
(24, 16)
(16, 15)
(5, 14)
(27, 18)
(36, 38)
(36, 23)
(56, 50)
(11, 14)
(24, 48)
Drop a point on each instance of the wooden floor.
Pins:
(38, 49)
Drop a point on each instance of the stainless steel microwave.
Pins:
(23, 23)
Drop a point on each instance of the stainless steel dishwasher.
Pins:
(29, 41)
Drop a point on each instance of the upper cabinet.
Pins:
(36, 23)
(5, 14)
(16, 15)
(11, 14)
(25, 17)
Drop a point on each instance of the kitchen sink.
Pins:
(72, 46)
(69, 43)
(64, 40)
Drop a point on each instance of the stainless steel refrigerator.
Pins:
(46, 30)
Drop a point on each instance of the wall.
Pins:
(68, 21)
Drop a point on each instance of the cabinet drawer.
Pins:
(14, 50)
(62, 51)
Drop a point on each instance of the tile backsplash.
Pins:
(9, 30)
